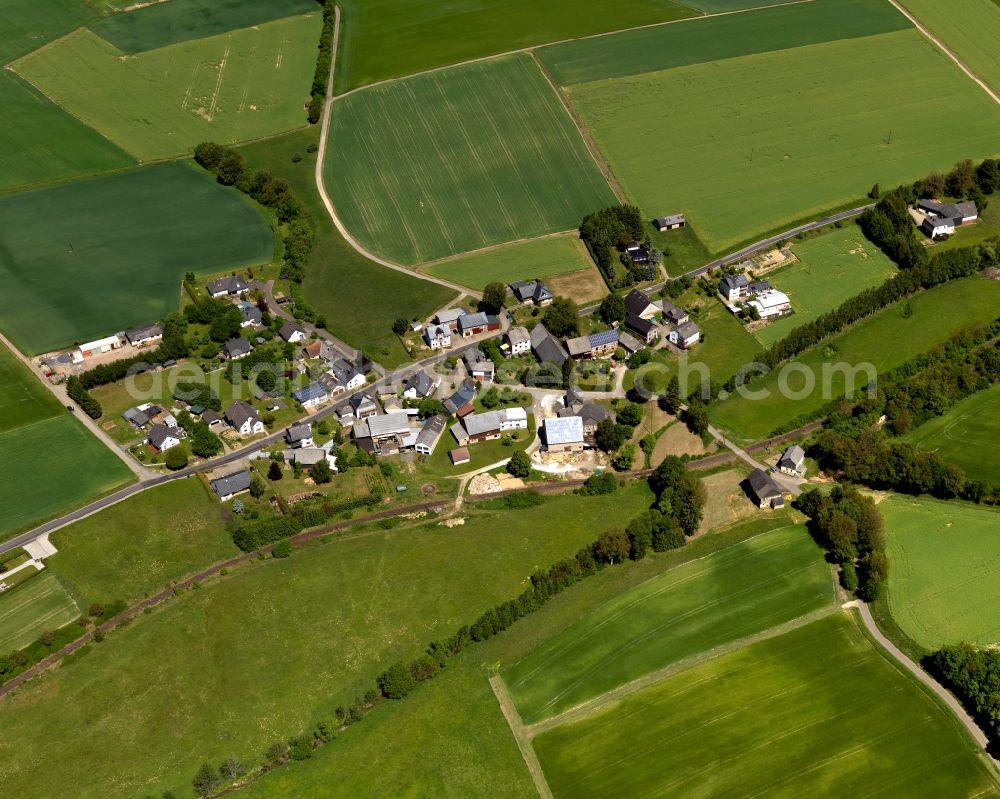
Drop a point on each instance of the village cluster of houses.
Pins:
(739, 290)
(939, 220)
(163, 431)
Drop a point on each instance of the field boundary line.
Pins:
(581, 129)
(328, 202)
(944, 49)
(594, 706)
(490, 247)
(521, 736)
(533, 47)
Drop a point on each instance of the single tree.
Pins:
(321, 471)
(874, 192)
(206, 781)
(560, 318)
(257, 487)
(400, 326)
(612, 547)
(493, 299)
(519, 465)
(274, 471)
(612, 309)
(608, 436)
(672, 395)
(232, 768)
(630, 413)
(230, 169)
(177, 458)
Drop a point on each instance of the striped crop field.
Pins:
(737, 592)
(30, 609)
(458, 160)
(817, 711)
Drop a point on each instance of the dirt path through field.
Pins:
(520, 735)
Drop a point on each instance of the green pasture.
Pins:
(359, 298)
(83, 260)
(383, 39)
(687, 611)
(260, 654)
(39, 142)
(29, 610)
(827, 122)
(966, 435)
(970, 29)
(237, 86)
(884, 341)
(476, 155)
(523, 260)
(818, 711)
(162, 24)
(59, 465)
(23, 398)
(701, 41)
(431, 755)
(28, 24)
(137, 547)
(832, 268)
(943, 574)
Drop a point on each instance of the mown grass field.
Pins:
(135, 548)
(84, 260)
(383, 39)
(827, 121)
(29, 610)
(945, 564)
(430, 754)
(817, 711)
(491, 156)
(240, 85)
(162, 24)
(885, 341)
(536, 258)
(966, 435)
(738, 592)
(970, 29)
(28, 24)
(59, 465)
(39, 142)
(257, 656)
(832, 268)
(703, 40)
(359, 298)
(23, 398)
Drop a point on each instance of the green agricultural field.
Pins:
(735, 593)
(23, 398)
(884, 341)
(383, 39)
(30, 609)
(491, 157)
(712, 39)
(359, 298)
(241, 85)
(28, 24)
(827, 121)
(818, 711)
(832, 268)
(966, 435)
(944, 569)
(135, 548)
(162, 24)
(265, 651)
(83, 260)
(722, 6)
(39, 142)
(59, 465)
(970, 29)
(520, 261)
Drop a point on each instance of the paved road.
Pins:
(953, 704)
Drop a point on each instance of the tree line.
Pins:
(324, 62)
(230, 170)
(849, 526)
(606, 230)
(973, 675)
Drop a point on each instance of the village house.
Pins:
(342, 376)
(591, 413)
(419, 385)
(478, 366)
(227, 286)
(637, 253)
(793, 461)
(141, 336)
(518, 340)
(533, 291)
(250, 314)
(364, 406)
(227, 487)
(137, 417)
(941, 219)
(292, 333)
(669, 222)
(685, 335)
(311, 396)
(546, 347)
(428, 438)
(460, 403)
(244, 419)
(564, 434)
(763, 490)
(673, 314)
(771, 304)
(629, 343)
(237, 348)
(385, 434)
(490, 425)
(472, 324)
(437, 337)
(449, 318)
(734, 287)
(596, 345)
(310, 456)
(299, 435)
(162, 437)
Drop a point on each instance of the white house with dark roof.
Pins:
(244, 419)
(685, 335)
(437, 336)
(478, 366)
(763, 490)
(293, 333)
(163, 437)
(490, 425)
(230, 485)
(299, 435)
(793, 461)
(237, 348)
(227, 286)
(146, 334)
(419, 385)
(519, 341)
(533, 291)
(250, 314)
(734, 287)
